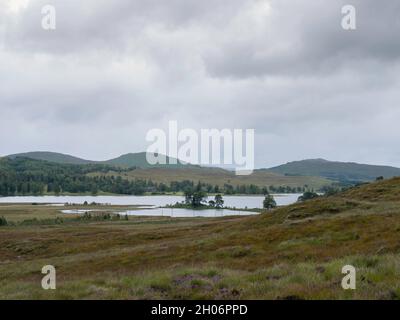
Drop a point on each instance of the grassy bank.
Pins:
(295, 252)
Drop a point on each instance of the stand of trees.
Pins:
(23, 176)
(269, 202)
(195, 198)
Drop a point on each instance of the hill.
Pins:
(319, 169)
(313, 173)
(139, 160)
(126, 160)
(339, 171)
(51, 157)
(135, 166)
(25, 176)
(221, 177)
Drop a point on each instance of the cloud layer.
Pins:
(112, 70)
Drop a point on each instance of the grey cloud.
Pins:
(107, 25)
(306, 37)
(115, 69)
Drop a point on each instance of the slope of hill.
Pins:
(220, 177)
(24, 176)
(132, 167)
(51, 157)
(139, 160)
(340, 171)
(293, 252)
(126, 160)
(314, 173)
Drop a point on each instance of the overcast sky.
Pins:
(114, 69)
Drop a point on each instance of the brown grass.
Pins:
(292, 252)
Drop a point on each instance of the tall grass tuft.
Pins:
(3, 222)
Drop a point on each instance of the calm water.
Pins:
(176, 213)
(152, 201)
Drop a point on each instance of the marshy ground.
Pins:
(295, 252)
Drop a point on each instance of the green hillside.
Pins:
(24, 176)
(314, 173)
(292, 252)
(126, 160)
(51, 157)
(221, 177)
(339, 171)
(139, 160)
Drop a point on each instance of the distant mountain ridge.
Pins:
(174, 177)
(126, 160)
(139, 160)
(335, 170)
(51, 157)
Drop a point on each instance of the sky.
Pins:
(113, 70)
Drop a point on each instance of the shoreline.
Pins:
(142, 195)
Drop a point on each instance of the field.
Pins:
(295, 252)
(218, 176)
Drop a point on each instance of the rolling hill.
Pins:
(132, 167)
(334, 170)
(314, 173)
(220, 177)
(139, 160)
(126, 160)
(51, 157)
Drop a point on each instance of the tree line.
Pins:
(23, 176)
